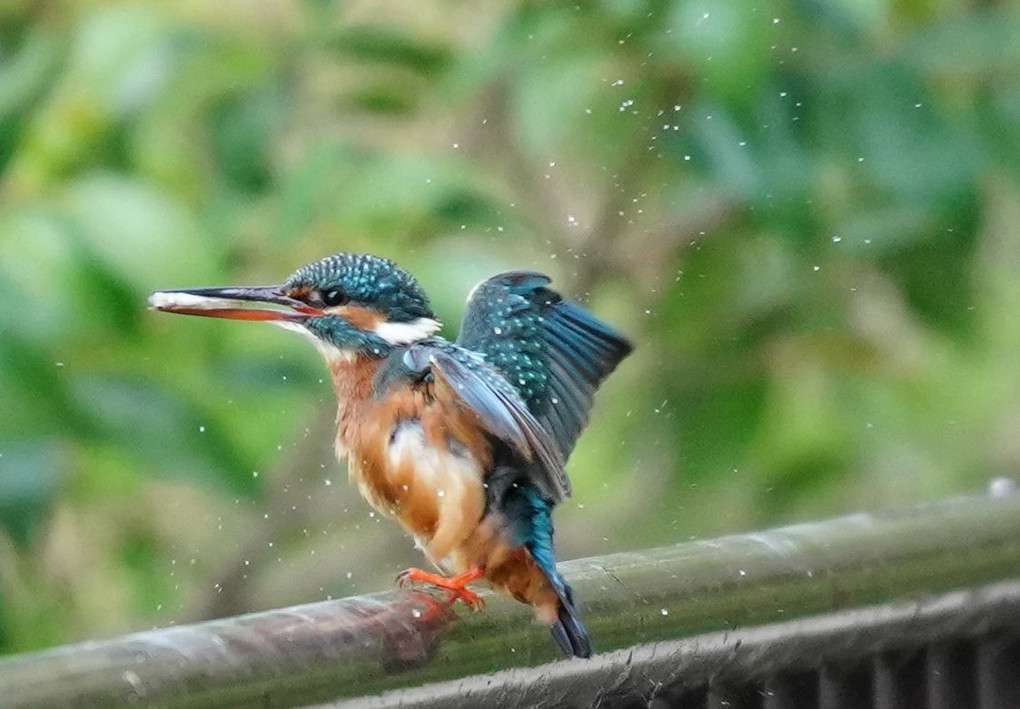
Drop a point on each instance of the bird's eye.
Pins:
(333, 297)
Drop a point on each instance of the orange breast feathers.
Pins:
(415, 455)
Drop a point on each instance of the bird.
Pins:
(463, 442)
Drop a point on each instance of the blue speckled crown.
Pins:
(367, 280)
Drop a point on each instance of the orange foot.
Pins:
(454, 586)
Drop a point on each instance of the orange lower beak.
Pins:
(232, 303)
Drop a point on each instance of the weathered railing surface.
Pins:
(941, 570)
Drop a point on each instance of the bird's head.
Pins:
(347, 304)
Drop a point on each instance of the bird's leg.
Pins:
(454, 586)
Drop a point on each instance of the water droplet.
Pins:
(1002, 487)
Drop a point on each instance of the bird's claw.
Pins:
(471, 599)
(404, 578)
(454, 588)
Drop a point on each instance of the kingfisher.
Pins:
(464, 443)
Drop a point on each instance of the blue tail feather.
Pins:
(567, 631)
(530, 517)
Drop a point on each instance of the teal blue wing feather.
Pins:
(553, 351)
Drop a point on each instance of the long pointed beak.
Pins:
(232, 303)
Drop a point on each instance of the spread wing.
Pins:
(499, 407)
(553, 351)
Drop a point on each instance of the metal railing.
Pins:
(919, 607)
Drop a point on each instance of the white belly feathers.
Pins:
(444, 482)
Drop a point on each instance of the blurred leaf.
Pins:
(24, 80)
(171, 437)
(724, 150)
(387, 46)
(240, 135)
(116, 64)
(211, 103)
(308, 192)
(382, 98)
(904, 144)
(117, 54)
(138, 234)
(717, 423)
(37, 401)
(968, 47)
(935, 277)
(35, 249)
(28, 481)
(395, 192)
(722, 43)
(391, 70)
(999, 117)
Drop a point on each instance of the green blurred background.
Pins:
(805, 213)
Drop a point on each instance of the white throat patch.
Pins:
(404, 333)
(329, 352)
